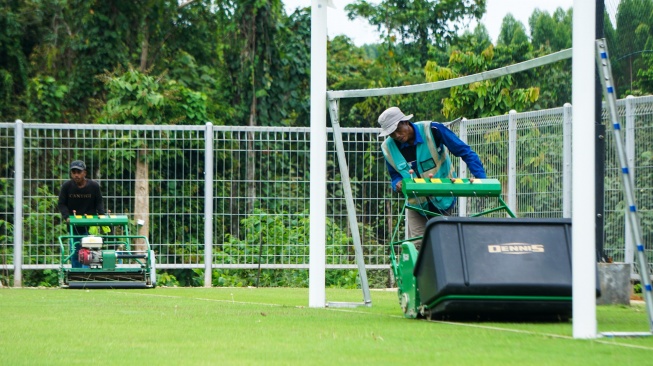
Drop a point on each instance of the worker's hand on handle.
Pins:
(398, 186)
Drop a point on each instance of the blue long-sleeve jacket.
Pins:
(455, 145)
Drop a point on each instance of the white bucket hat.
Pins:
(390, 118)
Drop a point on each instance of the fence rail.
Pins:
(259, 186)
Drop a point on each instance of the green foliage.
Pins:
(166, 279)
(630, 47)
(37, 210)
(644, 83)
(275, 239)
(393, 66)
(474, 42)
(417, 24)
(539, 146)
(6, 250)
(251, 57)
(205, 80)
(279, 239)
(512, 32)
(481, 98)
(46, 99)
(251, 61)
(137, 98)
(246, 62)
(288, 101)
(551, 31)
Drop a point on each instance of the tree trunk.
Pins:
(144, 50)
(142, 200)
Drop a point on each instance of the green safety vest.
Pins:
(430, 160)
(95, 230)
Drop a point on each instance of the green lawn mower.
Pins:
(481, 267)
(99, 252)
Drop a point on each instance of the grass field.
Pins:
(274, 326)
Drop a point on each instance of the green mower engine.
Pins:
(90, 254)
(105, 261)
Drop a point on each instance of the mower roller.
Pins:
(480, 267)
(111, 258)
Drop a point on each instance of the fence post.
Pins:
(462, 169)
(566, 160)
(629, 144)
(208, 205)
(512, 160)
(19, 137)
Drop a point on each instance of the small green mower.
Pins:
(99, 252)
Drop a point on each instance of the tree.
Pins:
(20, 33)
(250, 53)
(551, 31)
(349, 68)
(483, 98)
(288, 100)
(46, 99)
(633, 31)
(417, 24)
(475, 41)
(644, 83)
(140, 99)
(154, 23)
(512, 32)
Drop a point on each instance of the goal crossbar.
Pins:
(463, 80)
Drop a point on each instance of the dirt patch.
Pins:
(636, 297)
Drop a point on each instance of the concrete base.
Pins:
(614, 279)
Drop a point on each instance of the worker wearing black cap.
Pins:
(79, 196)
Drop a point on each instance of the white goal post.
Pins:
(583, 71)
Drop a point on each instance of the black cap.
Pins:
(77, 164)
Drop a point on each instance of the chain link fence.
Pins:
(261, 184)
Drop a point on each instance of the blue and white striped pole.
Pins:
(609, 92)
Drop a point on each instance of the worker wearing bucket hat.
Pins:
(417, 150)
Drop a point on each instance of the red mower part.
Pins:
(84, 256)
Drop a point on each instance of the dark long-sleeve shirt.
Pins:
(444, 136)
(84, 201)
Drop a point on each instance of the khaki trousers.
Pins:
(416, 224)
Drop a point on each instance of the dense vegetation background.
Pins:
(247, 62)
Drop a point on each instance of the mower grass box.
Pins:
(491, 266)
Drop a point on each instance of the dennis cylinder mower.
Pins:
(108, 256)
(481, 267)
